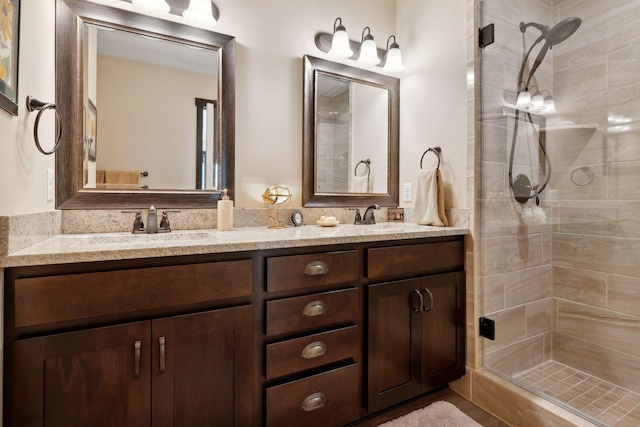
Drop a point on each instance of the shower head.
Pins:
(552, 36)
(559, 33)
(563, 30)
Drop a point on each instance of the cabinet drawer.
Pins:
(312, 311)
(50, 299)
(301, 271)
(288, 357)
(328, 399)
(414, 259)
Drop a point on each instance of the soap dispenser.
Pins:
(225, 213)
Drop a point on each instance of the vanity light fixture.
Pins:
(340, 45)
(368, 49)
(152, 7)
(393, 62)
(199, 14)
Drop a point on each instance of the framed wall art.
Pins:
(9, 40)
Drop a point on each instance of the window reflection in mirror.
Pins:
(145, 93)
(352, 136)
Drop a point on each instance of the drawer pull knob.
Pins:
(316, 268)
(315, 308)
(313, 350)
(313, 401)
(137, 347)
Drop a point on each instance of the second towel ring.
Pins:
(366, 162)
(434, 150)
(33, 105)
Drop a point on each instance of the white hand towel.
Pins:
(360, 184)
(429, 203)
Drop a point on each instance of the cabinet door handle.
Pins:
(313, 401)
(313, 350)
(136, 364)
(419, 309)
(428, 292)
(163, 361)
(315, 308)
(316, 268)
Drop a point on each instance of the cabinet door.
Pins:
(88, 378)
(394, 342)
(443, 329)
(202, 369)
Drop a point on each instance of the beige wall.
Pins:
(271, 39)
(138, 126)
(23, 170)
(432, 36)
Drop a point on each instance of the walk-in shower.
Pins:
(562, 289)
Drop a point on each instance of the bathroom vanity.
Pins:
(300, 326)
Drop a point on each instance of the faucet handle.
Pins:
(164, 222)
(138, 223)
(358, 218)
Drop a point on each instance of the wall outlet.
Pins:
(50, 185)
(407, 192)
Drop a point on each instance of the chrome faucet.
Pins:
(368, 217)
(152, 221)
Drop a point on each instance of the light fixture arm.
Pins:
(393, 45)
(368, 36)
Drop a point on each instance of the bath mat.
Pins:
(438, 414)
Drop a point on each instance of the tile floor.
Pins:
(602, 400)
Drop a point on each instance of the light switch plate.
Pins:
(50, 185)
(407, 192)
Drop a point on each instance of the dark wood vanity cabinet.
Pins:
(313, 345)
(317, 336)
(416, 326)
(192, 369)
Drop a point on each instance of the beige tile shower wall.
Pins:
(596, 246)
(516, 287)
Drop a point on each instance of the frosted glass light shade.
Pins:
(537, 102)
(199, 14)
(368, 53)
(340, 46)
(394, 61)
(524, 100)
(152, 7)
(549, 106)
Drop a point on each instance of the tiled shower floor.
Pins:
(607, 402)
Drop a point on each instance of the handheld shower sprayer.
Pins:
(522, 188)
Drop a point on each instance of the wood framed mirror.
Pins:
(73, 18)
(351, 136)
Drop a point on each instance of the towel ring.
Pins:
(33, 105)
(366, 162)
(434, 150)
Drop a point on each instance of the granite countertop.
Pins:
(72, 248)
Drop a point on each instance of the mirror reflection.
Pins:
(352, 131)
(351, 136)
(140, 137)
